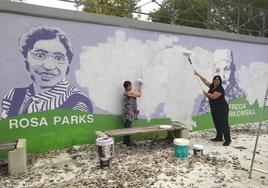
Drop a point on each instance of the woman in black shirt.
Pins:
(219, 108)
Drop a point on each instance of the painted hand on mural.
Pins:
(47, 55)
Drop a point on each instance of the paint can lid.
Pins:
(198, 147)
(181, 142)
(104, 139)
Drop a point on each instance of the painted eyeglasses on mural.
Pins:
(47, 55)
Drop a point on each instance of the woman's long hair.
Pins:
(219, 77)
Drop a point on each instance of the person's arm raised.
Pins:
(213, 95)
(204, 80)
(135, 94)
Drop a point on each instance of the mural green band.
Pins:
(59, 129)
(240, 111)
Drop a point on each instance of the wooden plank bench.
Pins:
(8, 146)
(175, 130)
(17, 155)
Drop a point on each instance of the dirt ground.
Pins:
(150, 163)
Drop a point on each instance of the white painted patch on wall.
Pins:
(167, 76)
(253, 78)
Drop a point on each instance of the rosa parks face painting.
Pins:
(47, 66)
(47, 55)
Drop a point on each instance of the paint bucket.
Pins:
(198, 150)
(181, 147)
(105, 150)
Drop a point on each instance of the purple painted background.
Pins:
(13, 72)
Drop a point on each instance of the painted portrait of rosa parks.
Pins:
(47, 54)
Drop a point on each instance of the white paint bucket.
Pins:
(105, 150)
(198, 150)
(181, 147)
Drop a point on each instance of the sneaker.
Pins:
(226, 143)
(216, 140)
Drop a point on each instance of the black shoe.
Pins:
(226, 143)
(130, 144)
(216, 140)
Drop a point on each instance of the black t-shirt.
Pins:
(219, 101)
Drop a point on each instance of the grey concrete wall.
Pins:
(39, 11)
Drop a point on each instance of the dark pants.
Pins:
(220, 119)
(127, 124)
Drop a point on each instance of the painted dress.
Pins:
(129, 108)
(63, 95)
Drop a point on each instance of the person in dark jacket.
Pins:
(219, 108)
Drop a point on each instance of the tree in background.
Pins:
(239, 16)
(121, 8)
(179, 12)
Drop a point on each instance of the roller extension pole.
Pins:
(187, 54)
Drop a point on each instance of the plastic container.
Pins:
(105, 150)
(181, 148)
(198, 150)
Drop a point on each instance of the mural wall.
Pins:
(62, 80)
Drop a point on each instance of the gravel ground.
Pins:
(150, 163)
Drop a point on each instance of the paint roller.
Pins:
(187, 54)
(139, 81)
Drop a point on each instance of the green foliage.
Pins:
(238, 16)
(121, 8)
(182, 12)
